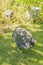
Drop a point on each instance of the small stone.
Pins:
(8, 13)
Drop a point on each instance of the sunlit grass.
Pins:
(5, 64)
(10, 53)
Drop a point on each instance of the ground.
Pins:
(10, 54)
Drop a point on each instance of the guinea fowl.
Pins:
(23, 38)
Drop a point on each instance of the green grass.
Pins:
(10, 53)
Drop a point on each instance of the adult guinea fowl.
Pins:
(23, 38)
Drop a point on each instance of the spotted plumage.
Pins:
(23, 38)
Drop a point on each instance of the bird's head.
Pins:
(33, 41)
